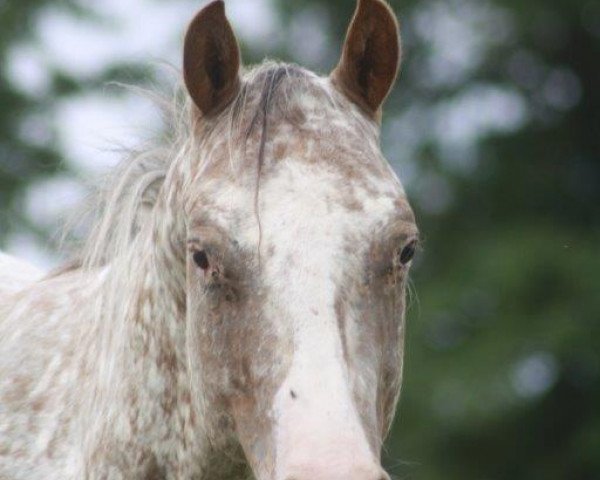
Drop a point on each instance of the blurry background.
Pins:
(494, 128)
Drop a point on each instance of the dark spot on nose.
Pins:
(293, 394)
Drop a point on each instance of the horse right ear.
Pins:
(211, 60)
(371, 56)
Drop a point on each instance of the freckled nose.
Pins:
(366, 472)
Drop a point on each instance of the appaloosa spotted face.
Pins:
(299, 242)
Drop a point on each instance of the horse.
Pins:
(237, 308)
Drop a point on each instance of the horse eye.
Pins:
(408, 252)
(201, 259)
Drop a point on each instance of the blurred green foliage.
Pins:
(502, 370)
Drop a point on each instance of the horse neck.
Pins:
(144, 385)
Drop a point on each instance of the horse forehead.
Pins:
(312, 189)
(306, 206)
(318, 161)
(312, 198)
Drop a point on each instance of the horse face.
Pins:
(299, 243)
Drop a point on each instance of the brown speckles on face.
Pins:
(241, 356)
(280, 151)
(305, 132)
(352, 204)
(37, 404)
(386, 311)
(185, 367)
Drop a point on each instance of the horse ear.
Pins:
(211, 59)
(371, 56)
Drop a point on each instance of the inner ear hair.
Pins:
(371, 56)
(211, 59)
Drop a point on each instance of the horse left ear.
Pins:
(211, 59)
(371, 56)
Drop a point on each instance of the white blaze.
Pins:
(316, 420)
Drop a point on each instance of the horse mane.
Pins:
(125, 197)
